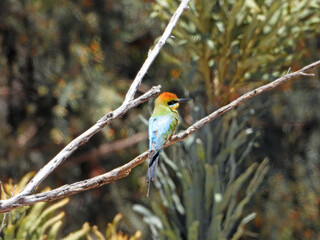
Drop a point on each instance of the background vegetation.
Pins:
(63, 64)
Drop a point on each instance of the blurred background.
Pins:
(250, 174)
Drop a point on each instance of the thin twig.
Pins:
(128, 103)
(123, 171)
(244, 97)
(154, 52)
(3, 223)
(5, 215)
(83, 138)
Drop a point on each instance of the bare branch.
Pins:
(3, 223)
(154, 52)
(71, 189)
(83, 138)
(238, 101)
(128, 103)
(72, 146)
(123, 171)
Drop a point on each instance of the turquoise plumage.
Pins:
(162, 125)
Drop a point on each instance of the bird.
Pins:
(162, 125)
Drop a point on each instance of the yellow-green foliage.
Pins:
(44, 220)
(40, 221)
(111, 232)
(230, 43)
(203, 196)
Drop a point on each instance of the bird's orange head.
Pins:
(170, 100)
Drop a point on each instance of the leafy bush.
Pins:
(44, 221)
(233, 44)
(203, 189)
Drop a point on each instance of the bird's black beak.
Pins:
(184, 100)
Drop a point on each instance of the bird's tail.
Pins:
(151, 174)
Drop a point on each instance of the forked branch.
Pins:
(125, 170)
(128, 103)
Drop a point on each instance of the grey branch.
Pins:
(71, 147)
(83, 138)
(124, 170)
(154, 52)
(108, 118)
(128, 103)
(244, 97)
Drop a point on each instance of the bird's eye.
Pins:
(172, 102)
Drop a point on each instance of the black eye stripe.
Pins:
(172, 102)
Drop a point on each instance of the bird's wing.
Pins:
(161, 129)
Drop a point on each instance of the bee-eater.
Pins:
(162, 125)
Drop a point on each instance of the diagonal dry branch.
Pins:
(83, 138)
(108, 118)
(244, 97)
(123, 171)
(154, 52)
(128, 103)
(73, 145)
